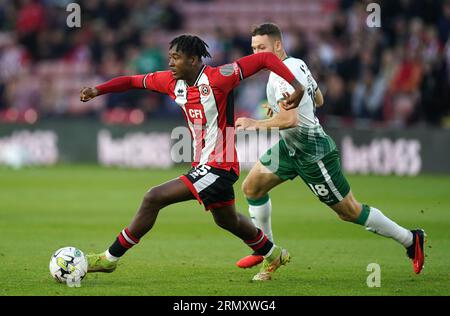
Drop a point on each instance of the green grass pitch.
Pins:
(43, 209)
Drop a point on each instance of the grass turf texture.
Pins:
(43, 209)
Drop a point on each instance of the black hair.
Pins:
(269, 29)
(190, 45)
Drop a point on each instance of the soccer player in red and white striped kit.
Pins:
(205, 95)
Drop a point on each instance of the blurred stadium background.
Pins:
(387, 105)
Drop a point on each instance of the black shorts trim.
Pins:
(211, 186)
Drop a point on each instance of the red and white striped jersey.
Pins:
(208, 109)
(208, 104)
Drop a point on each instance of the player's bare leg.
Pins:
(349, 209)
(239, 225)
(154, 200)
(256, 186)
(259, 181)
(236, 223)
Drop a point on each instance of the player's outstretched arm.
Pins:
(119, 84)
(253, 63)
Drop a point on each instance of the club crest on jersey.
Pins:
(205, 90)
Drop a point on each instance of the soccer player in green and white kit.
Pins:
(305, 150)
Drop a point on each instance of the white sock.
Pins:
(110, 257)
(261, 217)
(380, 224)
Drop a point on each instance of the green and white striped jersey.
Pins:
(307, 141)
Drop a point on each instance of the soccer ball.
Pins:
(68, 264)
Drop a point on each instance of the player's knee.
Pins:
(221, 223)
(347, 217)
(226, 222)
(153, 197)
(251, 191)
(351, 212)
(348, 211)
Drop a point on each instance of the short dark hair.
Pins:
(190, 45)
(269, 29)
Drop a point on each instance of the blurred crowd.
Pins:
(398, 74)
(394, 75)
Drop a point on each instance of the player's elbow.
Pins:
(318, 99)
(267, 54)
(268, 58)
(319, 102)
(292, 121)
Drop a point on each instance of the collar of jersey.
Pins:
(198, 77)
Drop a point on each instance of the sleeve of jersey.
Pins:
(120, 84)
(251, 64)
(229, 76)
(157, 81)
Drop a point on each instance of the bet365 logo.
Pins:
(74, 18)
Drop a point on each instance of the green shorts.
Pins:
(324, 177)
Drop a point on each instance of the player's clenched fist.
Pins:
(246, 124)
(87, 94)
(269, 111)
